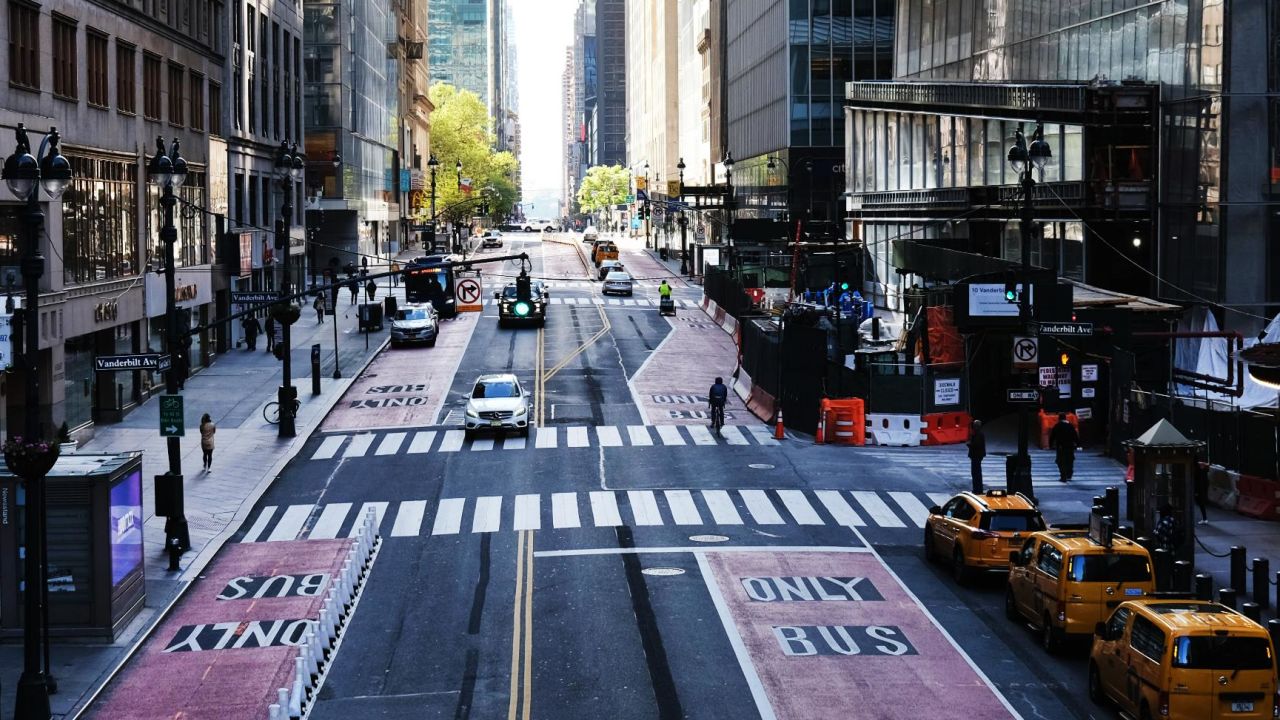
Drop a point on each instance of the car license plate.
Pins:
(1241, 707)
(495, 423)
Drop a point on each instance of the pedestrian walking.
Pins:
(1063, 439)
(371, 289)
(1168, 530)
(1202, 492)
(207, 430)
(395, 278)
(251, 328)
(271, 333)
(318, 304)
(355, 290)
(977, 451)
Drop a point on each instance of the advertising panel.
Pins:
(126, 527)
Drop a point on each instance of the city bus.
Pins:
(430, 279)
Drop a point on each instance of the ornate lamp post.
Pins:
(648, 210)
(1025, 161)
(23, 456)
(434, 163)
(288, 170)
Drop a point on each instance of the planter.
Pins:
(286, 313)
(30, 461)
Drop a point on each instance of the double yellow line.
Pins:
(522, 632)
(604, 318)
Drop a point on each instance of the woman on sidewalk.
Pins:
(319, 306)
(207, 430)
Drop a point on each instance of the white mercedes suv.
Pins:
(497, 402)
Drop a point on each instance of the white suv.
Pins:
(497, 402)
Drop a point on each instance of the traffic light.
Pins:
(1064, 359)
(524, 295)
(1010, 289)
(844, 286)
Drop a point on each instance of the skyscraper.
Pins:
(470, 47)
(611, 79)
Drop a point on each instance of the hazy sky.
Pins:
(543, 29)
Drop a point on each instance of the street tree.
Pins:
(604, 187)
(462, 131)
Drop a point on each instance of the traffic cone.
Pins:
(778, 432)
(822, 428)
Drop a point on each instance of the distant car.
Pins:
(510, 310)
(590, 234)
(497, 402)
(536, 225)
(617, 282)
(491, 239)
(415, 322)
(609, 266)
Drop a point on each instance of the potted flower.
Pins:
(29, 459)
(67, 446)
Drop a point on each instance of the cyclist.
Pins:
(717, 396)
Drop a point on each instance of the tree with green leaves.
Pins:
(462, 131)
(604, 187)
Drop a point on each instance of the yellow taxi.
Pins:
(977, 531)
(1183, 659)
(1066, 581)
(604, 250)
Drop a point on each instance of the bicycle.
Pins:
(717, 417)
(271, 411)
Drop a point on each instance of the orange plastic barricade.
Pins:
(845, 421)
(1259, 497)
(1048, 420)
(946, 428)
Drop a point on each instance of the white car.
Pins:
(415, 322)
(492, 238)
(536, 226)
(590, 234)
(617, 282)
(497, 402)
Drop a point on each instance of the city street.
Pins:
(625, 562)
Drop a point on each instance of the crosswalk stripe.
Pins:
(481, 444)
(329, 447)
(576, 437)
(330, 522)
(700, 434)
(564, 510)
(597, 301)
(290, 523)
(390, 444)
(644, 507)
(760, 507)
(911, 506)
(422, 441)
(639, 436)
(670, 434)
(259, 525)
(514, 442)
(528, 513)
(839, 509)
(604, 509)
(449, 516)
(733, 435)
(683, 511)
(358, 446)
(877, 510)
(721, 506)
(452, 441)
(409, 518)
(608, 436)
(488, 514)
(939, 498)
(546, 438)
(762, 435)
(800, 508)
(615, 301)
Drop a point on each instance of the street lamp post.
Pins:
(729, 206)
(288, 170)
(1025, 161)
(684, 225)
(433, 163)
(23, 174)
(648, 213)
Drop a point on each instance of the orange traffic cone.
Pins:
(778, 432)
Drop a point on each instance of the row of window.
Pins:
(186, 90)
(272, 63)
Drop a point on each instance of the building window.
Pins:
(150, 86)
(65, 65)
(177, 101)
(96, 61)
(99, 211)
(197, 101)
(126, 82)
(215, 108)
(24, 45)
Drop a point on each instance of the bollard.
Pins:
(1204, 587)
(1252, 611)
(315, 369)
(1163, 562)
(1261, 584)
(282, 699)
(1181, 581)
(299, 690)
(1273, 629)
(1125, 531)
(1144, 541)
(1237, 569)
(175, 552)
(1096, 507)
(273, 713)
(1111, 498)
(1227, 596)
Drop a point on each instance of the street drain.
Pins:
(709, 538)
(662, 572)
(760, 466)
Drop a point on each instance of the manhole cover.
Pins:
(662, 572)
(709, 538)
(760, 466)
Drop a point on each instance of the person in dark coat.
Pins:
(271, 333)
(355, 290)
(251, 328)
(1202, 492)
(371, 288)
(1063, 439)
(977, 451)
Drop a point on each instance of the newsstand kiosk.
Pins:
(1164, 471)
(94, 546)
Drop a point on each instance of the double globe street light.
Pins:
(288, 170)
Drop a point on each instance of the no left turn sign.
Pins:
(468, 292)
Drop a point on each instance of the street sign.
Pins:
(673, 188)
(146, 361)
(987, 300)
(171, 416)
(631, 197)
(1067, 329)
(1026, 352)
(254, 298)
(468, 292)
(1022, 396)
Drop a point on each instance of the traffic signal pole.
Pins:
(177, 537)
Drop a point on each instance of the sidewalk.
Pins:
(247, 458)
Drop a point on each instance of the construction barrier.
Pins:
(1048, 420)
(899, 430)
(1222, 487)
(843, 421)
(946, 428)
(1258, 497)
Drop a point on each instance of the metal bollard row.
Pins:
(320, 640)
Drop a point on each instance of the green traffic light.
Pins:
(844, 286)
(522, 308)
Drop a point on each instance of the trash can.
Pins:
(662, 253)
(370, 317)
(391, 305)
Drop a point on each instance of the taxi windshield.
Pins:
(1109, 567)
(1221, 652)
(1013, 521)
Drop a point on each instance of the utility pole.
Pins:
(288, 169)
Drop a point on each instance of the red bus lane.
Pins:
(824, 634)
